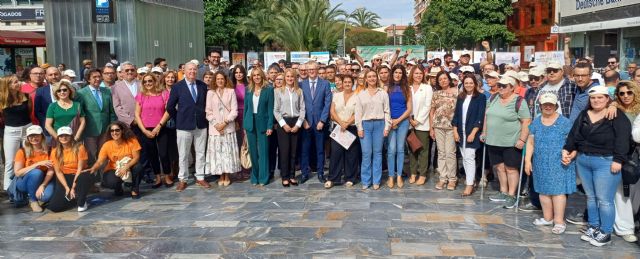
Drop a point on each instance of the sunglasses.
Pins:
(115, 130)
(629, 93)
(62, 90)
(502, 86)
(552, 70)
(377, 60)
(611, 62)
(147, 81)
(355, 69)
(534, 78)
(129, 70)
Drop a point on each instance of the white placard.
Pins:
(299, 56)
(344, 138)
(546, 57)
(507, 58)
(273, 57)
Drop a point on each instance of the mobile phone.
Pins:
(66, 196)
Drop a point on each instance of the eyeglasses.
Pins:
(552, 70)
(147, 81)
(64, 136)
(502, 86)
(129, 70)
(62, 90)
(377, 60)
(629, 93)
(355, 70)
(534, 78)
(115, 130)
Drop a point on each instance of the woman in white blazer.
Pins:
(421, 97)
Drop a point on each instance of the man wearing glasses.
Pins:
(612, 64)
(214, 64)
(560, 86)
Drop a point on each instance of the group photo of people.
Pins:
(545, 132)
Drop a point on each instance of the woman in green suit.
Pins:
(258, 121)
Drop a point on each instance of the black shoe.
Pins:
(293, 183)
(285, 184)
(303, 178)
(118, 191)
(600, 239)
(321, 178)
(156, 186)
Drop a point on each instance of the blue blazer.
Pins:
(475, 118)
(317, 109)
(41, 104)
(264, 117)
(191, 114)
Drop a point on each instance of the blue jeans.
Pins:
(318, 138)
(30, 182)
(600, 186)
(371, 166)
(395, 149)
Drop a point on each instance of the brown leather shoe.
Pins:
(400, 181)
(181, 186)
(421, 180)
(412, 179)
(203, 184)
(390, 182)
(452, 185)
(440, 184)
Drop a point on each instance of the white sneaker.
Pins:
(542, 222)
(83, 208)
(631, 238)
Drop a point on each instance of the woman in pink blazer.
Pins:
(222, 109)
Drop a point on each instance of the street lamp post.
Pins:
(439, 42)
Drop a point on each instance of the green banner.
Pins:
(367, 52)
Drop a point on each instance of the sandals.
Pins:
(559, 228)
(285, 183)
(468, 190)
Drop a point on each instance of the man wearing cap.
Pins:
(86, 64)
(214, 57)
(465, 58)
(98, 108)
(492, 82)
(143, 71)
(157, 72)
(560, 86)
(536, 76)
(486, 69)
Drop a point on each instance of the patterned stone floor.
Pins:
(243, 221)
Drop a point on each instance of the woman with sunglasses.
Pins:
(64, 111)
(289, 112)
(166, 83)
(505, 133)
(121, 152)
(222, 109)
(151, 116)
(34, 170)
(400, 106)
(443, 106)
(16, 109)
(69, 158)
(628, 100)
(600, 147)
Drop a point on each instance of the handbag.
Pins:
(126, 177)
(413, 141)
(245, 158)
(631, 169)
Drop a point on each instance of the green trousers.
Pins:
(259, 152)
(419, 161)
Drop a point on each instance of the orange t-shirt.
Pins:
(36, 156)
(70, 161)
(114, 152)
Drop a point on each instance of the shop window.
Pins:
(7, 23)
(6, 2)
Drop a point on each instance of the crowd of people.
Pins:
(566, 126)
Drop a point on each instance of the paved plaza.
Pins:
(243, 221)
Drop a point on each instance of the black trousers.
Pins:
(59, 203)
(147, 170)
(287, 147)
(273, 153)
(157, 151)
(111, 181)
(345, 161)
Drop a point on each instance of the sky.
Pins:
(397, 11)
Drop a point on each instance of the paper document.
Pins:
(344, 138)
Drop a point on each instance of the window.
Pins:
(532, 16)
(6, 2)
(23, 23)
(7, 23)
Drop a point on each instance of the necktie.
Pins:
(98, 99)
(193, 92)
(313, 89)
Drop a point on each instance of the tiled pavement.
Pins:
(243, 221)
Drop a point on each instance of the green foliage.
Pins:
(358, 36)
(464, 23)
(294, 25)
(409, 36)
(220, 16)
(361, 17)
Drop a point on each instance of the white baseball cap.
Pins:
(34, 130)
(548, 98)
(493, 74)
(143, 70)
(467, 69)
(523, 76)
(536, 71)
(65, 131)
(454, 76)
(69, 73)
(157, 70)
(507, 80)
(599, 89)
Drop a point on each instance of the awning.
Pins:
(22, 38)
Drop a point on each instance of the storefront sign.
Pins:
(595, 26)
(103, 11)
(575, 7)
(21, 14)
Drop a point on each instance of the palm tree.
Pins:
(361, 17)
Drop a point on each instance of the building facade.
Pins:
(419, 7)
(532, 21)
(143, 30)
(22, 39)
(602, 28)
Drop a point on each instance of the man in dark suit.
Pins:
(214, 64)
(187, 104)
(317, 101)
(99, 113)
(44, 96)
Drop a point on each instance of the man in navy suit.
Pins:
(317, 101)
(187, 104)
(44, 96)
